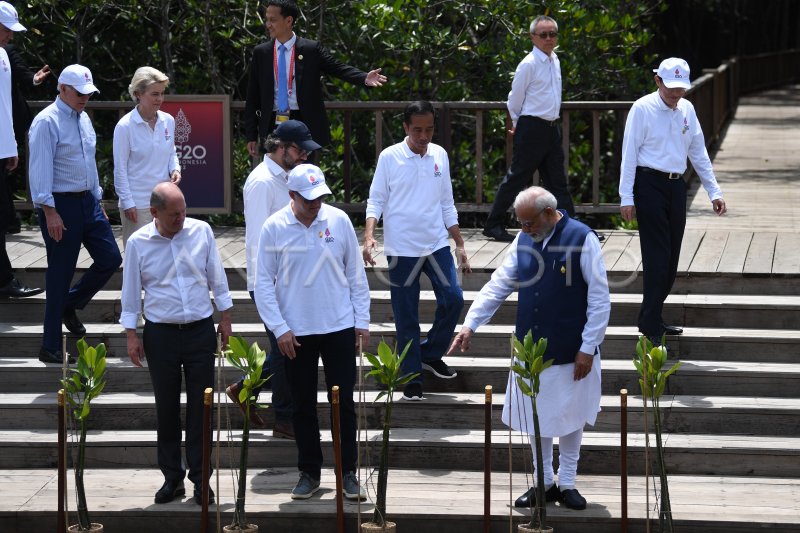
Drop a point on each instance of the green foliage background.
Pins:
(442, 50)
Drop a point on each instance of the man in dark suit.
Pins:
(22, 79)
(298, 64)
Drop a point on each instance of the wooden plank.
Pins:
(691, 241)
(630, 260)
(735, 253)
(787, 254)
(614, 247)
(709, 252)
(760, 254)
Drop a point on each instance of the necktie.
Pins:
(283, 90)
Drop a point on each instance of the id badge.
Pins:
(280, 118)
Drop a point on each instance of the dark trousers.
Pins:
(661, 211)
(275, 367)
(404, 275)
(537, 145)
(171, 351)
(85, 224)
(339, 363)
(6, 215)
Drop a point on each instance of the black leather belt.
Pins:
(182, 327)
(79, 193)
(668, 175)
(551, 123)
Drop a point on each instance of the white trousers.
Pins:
(569, 451)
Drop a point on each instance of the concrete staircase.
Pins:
(732, 412)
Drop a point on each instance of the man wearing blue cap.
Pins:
(661, 132)
(266, 192)
(9, 285)
(65, 189)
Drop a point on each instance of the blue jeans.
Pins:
(404, 274)
(275, 365)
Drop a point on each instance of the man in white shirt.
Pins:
(534, 105)
(266, 192)
(311, 292)
(662, 130)
(9, 285)
(557, 266)
(411, 189)
(175, 261)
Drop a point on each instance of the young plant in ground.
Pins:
(386, 369)
(528, 367)
(649, 363)
(249, 359)
(84, 384)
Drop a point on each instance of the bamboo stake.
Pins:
(646, 437)
(623, 452)
(64, 366)
(358, 421)
(61, 516)
(220, 388)
(487, 460)
(207, 399)
(337, 455)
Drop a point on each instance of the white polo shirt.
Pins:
(415, 196)
(661, 138)
(143, 157)
(176, 275)
(311, 280)
(265, 192)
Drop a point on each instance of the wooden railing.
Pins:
(714, 94)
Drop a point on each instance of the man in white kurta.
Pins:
(557, 266)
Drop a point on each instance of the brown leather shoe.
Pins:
(233, 393)
(283, 429)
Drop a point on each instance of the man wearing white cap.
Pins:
(311, 292)
(65, 189)
(9, 285)
(661, 132)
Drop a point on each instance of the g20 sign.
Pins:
(203, 143)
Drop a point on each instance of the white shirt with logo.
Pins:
(311, 280)
(415, 196)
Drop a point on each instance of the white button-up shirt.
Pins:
(62, 150)
(415, 196)
(176, 275)
(311, 280)
(143, 157)
(265, 192)
(536, 88)
(661, 138)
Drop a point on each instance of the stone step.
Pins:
(696, 310)
(423, 500)
(702, 378)
(724, 415)
(713, 344)
(418, 448)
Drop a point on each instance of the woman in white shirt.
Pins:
(144, 150)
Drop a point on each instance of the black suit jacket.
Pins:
(311, 61)
(21, 80)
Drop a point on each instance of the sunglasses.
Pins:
(546, 34)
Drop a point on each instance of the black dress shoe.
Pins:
(498, 233)
(15, 289)
(573, 499)
(73, 323)
(673, 330)
(55, 358)
(528, 499)
(169, 491)
(198, 495)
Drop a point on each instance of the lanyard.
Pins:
(290, 74)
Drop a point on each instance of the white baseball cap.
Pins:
(308, 181)
(9, 17)
(78, 77)
(674, 72)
